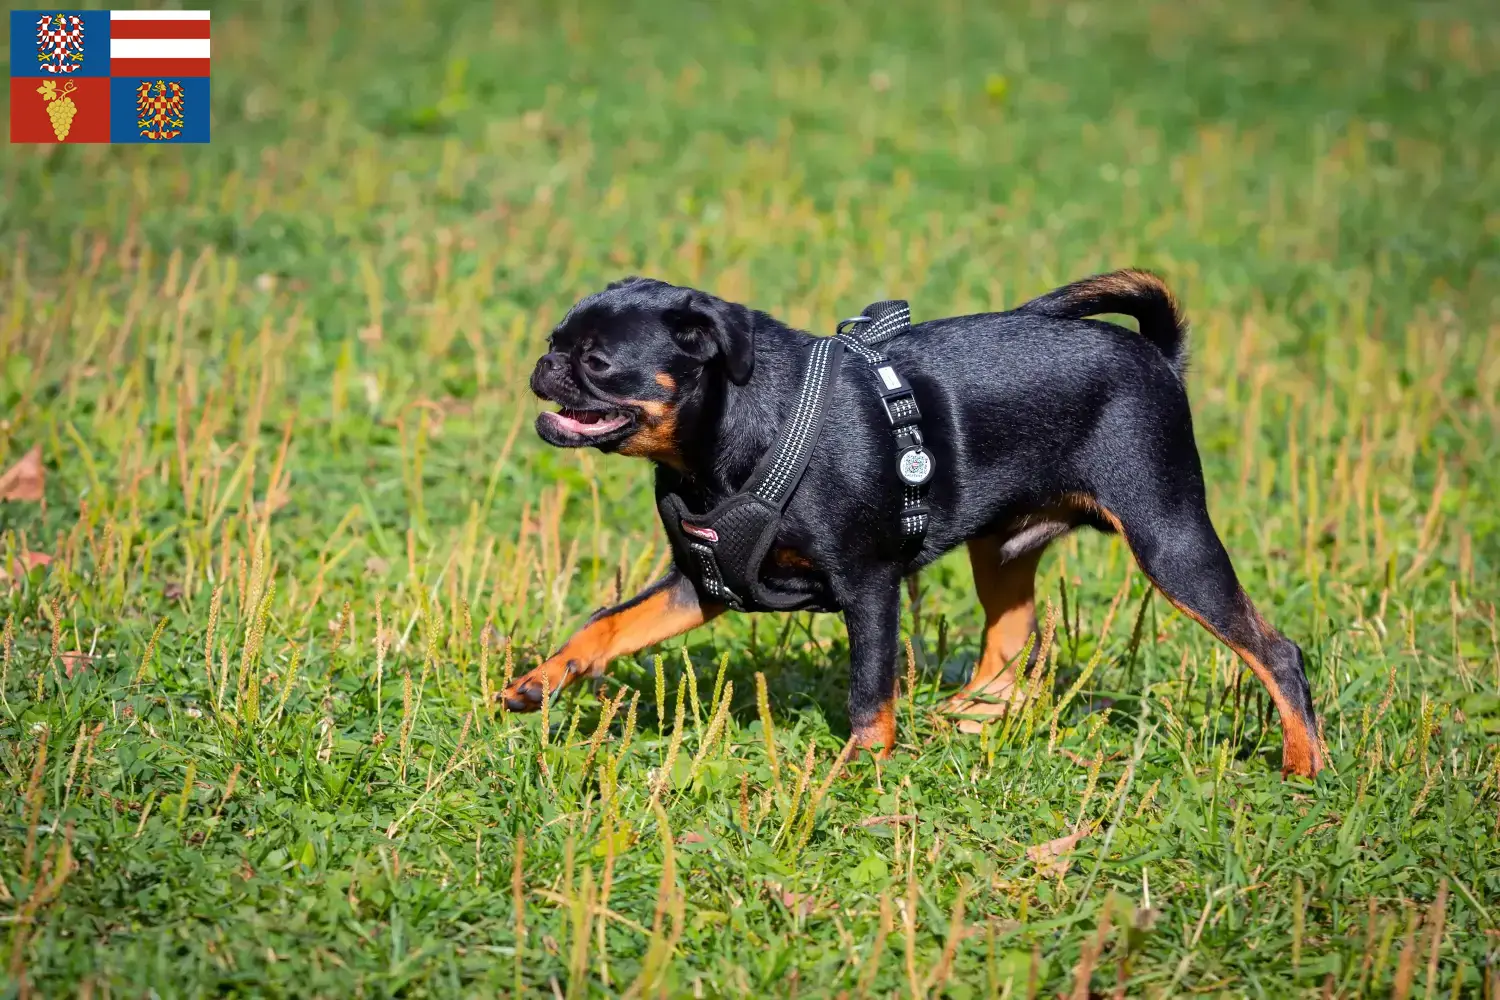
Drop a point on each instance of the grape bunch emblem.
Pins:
(60, 107)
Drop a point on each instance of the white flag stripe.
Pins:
(158, 15)
(158, 48)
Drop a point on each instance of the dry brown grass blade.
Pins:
(669, 904)
(518, 899)
(1435, 919)
(956, 933)
(872, 964)
(1406, 965)
(1083, 972)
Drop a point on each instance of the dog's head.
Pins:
(625, 362)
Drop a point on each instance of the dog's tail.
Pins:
(1131, 293)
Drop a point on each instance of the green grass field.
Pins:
(295, 527)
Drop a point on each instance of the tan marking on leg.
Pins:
(879, 735)
(1007, 593)
(588, 651)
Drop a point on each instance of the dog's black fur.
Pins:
(1039, 420)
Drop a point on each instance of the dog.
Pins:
(1040, 420)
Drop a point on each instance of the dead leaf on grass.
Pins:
(75, 662)
(1054, 857)
(1086, 762)
(25, 481)
(23, 564)
(802, 904)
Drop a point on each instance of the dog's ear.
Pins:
(706, 327)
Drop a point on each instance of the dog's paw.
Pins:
(973, 709)
(525, 695)
(526, 692)
(878, 735)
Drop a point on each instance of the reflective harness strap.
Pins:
(728, 543)
(877, 324)
(775, 481)
(722, 549)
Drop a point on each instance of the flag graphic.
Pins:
(124, 76)
(59, 42)
(158, 109)
(71, 109)
(158, 43)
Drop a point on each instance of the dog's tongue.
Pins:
(587, 421)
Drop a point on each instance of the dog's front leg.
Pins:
(873, 617)
(668, 607)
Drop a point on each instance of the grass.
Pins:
(299, 528)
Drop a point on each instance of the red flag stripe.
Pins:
(158, 29)
(158, 67)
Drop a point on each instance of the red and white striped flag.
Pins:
(158, 42)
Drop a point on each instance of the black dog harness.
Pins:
(722, 551)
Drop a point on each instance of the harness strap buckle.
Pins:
(901, 411)
(713, 579)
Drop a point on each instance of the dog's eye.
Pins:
(595, 362)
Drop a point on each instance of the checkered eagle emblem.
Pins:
(59, 42)
(159, 109)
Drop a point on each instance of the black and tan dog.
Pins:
(1040, 420)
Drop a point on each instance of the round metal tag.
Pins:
(915, 466)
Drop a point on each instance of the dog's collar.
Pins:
(722, 550)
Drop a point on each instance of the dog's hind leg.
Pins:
(1176, 546)
(668, 607)
(1006, 585)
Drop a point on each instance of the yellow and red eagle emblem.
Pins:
(59, 42)
(159, 109)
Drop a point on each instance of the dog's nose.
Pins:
(550, 374)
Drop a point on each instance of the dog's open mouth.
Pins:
(569, 425)
(588, 422)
